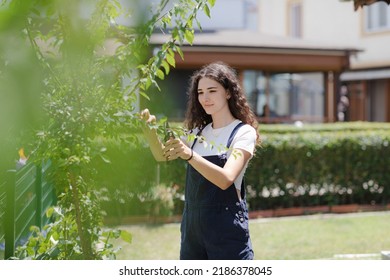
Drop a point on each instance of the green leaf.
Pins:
(144, 94)
(49, 212)
(166, 67)
(126, 236)
(171, 52)
(207, 10)
(156, 85)
(30, 251)
(171, 60)
(160, 74)
(148, 82)
(175, 34)
(190, 23)
(189, 35)
(180, 52)
(167, 19)
(212, 2)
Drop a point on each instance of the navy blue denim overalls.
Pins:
(215, 221)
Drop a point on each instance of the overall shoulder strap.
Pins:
(234, 131)
(197, 136)
(231, 137)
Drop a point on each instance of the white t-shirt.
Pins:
(214, 141)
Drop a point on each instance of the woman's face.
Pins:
(212, 96)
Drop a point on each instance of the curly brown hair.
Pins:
(196, 116)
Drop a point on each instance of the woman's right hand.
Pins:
(147, 117)
(151, 134)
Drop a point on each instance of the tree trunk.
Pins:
(85, 240)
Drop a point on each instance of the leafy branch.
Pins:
(84, 98)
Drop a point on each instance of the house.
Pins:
(368, 80)
(297, 59)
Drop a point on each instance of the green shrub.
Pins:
(328, 164)
(323, 127)
(323, 164)
(322, 168)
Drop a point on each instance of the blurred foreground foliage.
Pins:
(71, 72)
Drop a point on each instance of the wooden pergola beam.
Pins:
(287, 61)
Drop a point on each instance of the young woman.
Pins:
(224, 129)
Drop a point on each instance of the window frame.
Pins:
(295, 27)
(372, 19)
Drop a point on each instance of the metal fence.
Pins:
(24, 198)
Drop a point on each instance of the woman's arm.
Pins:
(156, 147)
(223, 177)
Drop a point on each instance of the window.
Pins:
(295, 26)
(377, 17)
(254, 83)
(285, 97)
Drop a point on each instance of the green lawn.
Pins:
(294, 238)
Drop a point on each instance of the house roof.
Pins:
(245, 49)
(368, 74)
(237, 38)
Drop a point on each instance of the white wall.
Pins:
(272, 17)
(377, 51)
(333, 22)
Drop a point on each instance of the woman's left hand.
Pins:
(175, 148)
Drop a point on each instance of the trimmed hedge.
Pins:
(324, 168)
(327, 164)
(323, 127)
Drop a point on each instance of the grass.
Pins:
(295, 238)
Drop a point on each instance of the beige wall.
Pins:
(272, 17)
(331, 22)
(377, 52)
